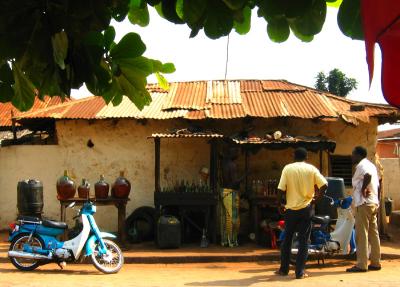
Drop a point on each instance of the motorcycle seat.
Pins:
(55, 224)
(321, 219)
(28, 218)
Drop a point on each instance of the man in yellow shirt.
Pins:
(298, 181)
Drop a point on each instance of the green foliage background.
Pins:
(48, 47)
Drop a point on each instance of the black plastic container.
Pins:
(336, 188)
(388, 206)
(30, 197)
(168, 232)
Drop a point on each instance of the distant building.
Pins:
(389, 143)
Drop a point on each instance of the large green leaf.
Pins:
(138, 13)
(49, 84)
(167, 10)
(300, 36)
(349, 19)
(235, 4)
(334, 3)
(24, 91)
(271, 8)
(243, 27)
(133, 88)
(59, 42)
(101, 80)
(141, 66)
(312, 21)
(167, 68)
(130, 46)
(162, 81)
(113, 92)
(219, 21)
(94, 45)
(278, 29)
(297, 8)
(6, 93)
(119, 9)
(6, 75)
(109, 36)
(191, 11)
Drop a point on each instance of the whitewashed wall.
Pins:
(123, 145)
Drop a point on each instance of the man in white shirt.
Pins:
(365, 195)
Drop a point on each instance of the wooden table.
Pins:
(257, 202)
(119, 203)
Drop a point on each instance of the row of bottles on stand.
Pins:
(66, 187)
(185, 186)
(267, 187)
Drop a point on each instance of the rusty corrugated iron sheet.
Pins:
(280, 85)
(86, 108)
(126, 109)
(225, 100)
(7, 109)
(223, 92)
(186, 95)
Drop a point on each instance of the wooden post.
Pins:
(121, 206)
(246, 170)
(320, 161)
(157, 145)
(14, 128)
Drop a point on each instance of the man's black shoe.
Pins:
(281, 273)
(355, 269)
(374, 268)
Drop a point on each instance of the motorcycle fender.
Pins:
(20, 231)
(90, 243)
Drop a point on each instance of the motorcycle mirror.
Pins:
(72, 204)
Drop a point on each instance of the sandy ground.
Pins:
(206, 274)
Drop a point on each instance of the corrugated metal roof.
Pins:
(190, 135)
(7, 109)
(224, 100)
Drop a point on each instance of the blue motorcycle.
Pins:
(323, 242)
(34, 243)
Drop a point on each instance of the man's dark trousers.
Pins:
(296, 221)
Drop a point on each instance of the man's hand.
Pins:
(281, 209)
(366, 192)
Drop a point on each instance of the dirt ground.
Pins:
(206, 274)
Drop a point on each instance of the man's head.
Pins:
(358, 154)
(204, 173)
(300, 154)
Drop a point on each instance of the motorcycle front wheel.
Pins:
(108, 263)
(17, 244)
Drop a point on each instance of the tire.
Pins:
(17, 245)
(112, 261)
(293, 256)
(140, 225)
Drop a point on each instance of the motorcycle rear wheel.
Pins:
(108, 263)
(17, 244)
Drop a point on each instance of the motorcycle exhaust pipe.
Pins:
(26, 255)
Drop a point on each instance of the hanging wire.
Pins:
(227, 56)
